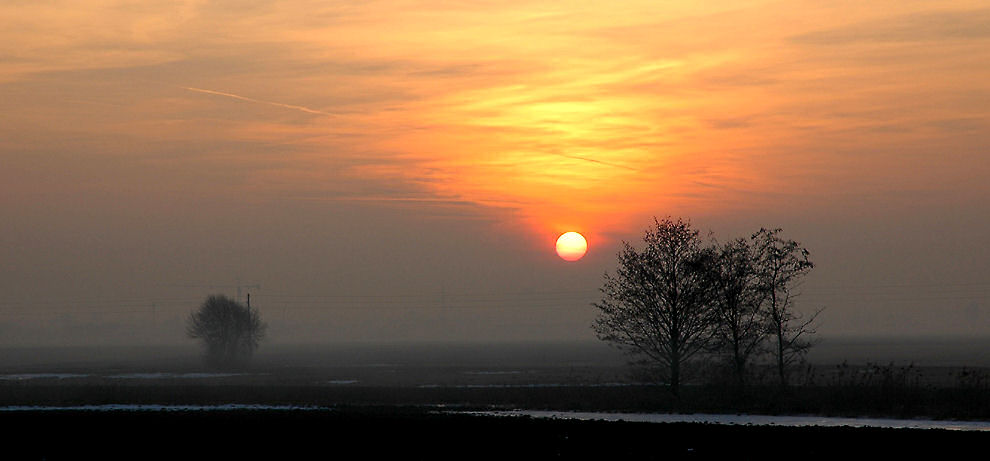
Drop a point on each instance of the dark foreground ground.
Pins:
(385, 402)
(422, 433)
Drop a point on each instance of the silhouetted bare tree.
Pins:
(780, 264)
(742, 328)
(656, 306)
(230, 331)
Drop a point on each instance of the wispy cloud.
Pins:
(614, 165)
(926, 26)
(575, 114)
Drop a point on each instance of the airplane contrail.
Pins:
(260, 101)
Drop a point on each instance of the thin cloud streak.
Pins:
(614, 165)
(260, 101)
(426, 200)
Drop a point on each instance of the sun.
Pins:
(571, 246)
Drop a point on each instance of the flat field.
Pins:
(411, 400)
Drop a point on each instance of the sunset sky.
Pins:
(391, 170)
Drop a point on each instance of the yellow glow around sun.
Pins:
(571, 246)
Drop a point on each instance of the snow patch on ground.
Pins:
(753, 420)
(528, 386)
(509, 372)
(159, 375)
(26, 376)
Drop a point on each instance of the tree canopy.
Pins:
(680, 297)
(230, 331)
(657, 302)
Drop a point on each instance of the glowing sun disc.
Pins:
(571, 246)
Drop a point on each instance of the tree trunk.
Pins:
(740, 371)
(780, 356)
(778, 320)
(675, 360)
(675, 367)
(737, 359)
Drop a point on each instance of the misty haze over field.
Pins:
(377, 173)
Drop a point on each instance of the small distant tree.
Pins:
(742, 328)
(230, 332)
(656, 306)
(780, 265)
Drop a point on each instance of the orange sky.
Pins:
(548, 116)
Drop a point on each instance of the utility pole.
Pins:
(240, 287)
